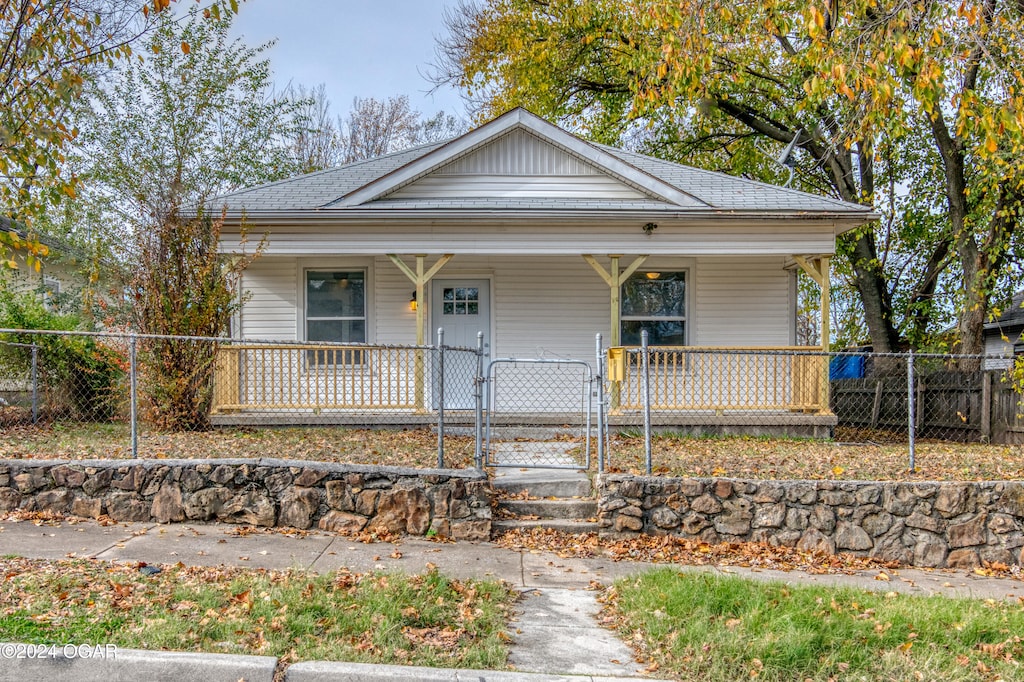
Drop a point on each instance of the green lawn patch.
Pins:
(709, 628)
(426, 619)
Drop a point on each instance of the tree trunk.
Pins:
(874, 296)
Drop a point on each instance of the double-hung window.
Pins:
(336, 312)
(655, 301)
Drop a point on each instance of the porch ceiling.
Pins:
(540, 237)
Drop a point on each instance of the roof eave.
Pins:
(841, 221)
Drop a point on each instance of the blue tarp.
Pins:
(846, 367)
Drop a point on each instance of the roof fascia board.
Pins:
(838, 222)
(519, 117)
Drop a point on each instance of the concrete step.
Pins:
(551, 509)
(536, 485)
(564, 525)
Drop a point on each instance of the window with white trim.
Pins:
(655, 301)
(51, 291)
(336, 311)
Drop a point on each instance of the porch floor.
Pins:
(696, 423)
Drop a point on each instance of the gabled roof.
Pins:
(637, 183)
(1012, 316)
(56, 246)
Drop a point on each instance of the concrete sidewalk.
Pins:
(555, 632)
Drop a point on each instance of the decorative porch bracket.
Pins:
(818, 269)
(420, 278)
(614, 279)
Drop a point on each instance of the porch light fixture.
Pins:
(412, 301)
(652, 275)
(649, 228)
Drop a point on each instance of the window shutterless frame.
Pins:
(335, 307)
(654, 301)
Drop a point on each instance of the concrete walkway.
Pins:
(555, 632)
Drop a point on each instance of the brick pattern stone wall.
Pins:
(263, 492)
(924, 524)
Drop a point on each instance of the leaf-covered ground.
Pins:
(386, 447)
(671, 549)
(426, 619)
(734, 457)
(775, 458)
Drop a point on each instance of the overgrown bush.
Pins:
(182, 287)
(81, 377)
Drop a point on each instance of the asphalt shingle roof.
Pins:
(316, 190)
(719, 193)
(727, 192)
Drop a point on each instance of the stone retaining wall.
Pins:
(925, 524)
(260, 492)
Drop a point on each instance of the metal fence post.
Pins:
(133, 391)
(478, 396)
(35, 384)
(440, 397)
(647, 398)
(599, 378)
(911, 407)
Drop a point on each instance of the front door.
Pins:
(462, 307)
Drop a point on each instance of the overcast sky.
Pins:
(356, 48)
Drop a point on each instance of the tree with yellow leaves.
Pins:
(912, 106)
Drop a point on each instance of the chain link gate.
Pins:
(528, 399)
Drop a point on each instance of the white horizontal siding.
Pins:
(272, 289)
(548, 307)
(477, 186)
(541, 237)
(741, 302)
(395, 322)
(543, 306)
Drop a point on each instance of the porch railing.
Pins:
(792, 378)
(312, 376)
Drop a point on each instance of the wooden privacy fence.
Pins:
(958, 406)
(688, 378)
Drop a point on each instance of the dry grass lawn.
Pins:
(734, 457)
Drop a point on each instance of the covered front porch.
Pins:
(697, 390)
(531, 240)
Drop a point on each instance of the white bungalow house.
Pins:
(539, 239)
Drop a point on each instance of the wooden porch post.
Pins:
(614, 279)
(826, 311)
(420, 278)
(818, 270)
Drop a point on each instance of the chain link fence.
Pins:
(854, 398)
(133, 395)
(532, 401)
(129, 395)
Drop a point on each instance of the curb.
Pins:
(87, 663)
(323, 671)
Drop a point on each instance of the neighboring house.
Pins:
(63, 269)
(1004, 336)
(539, 239)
